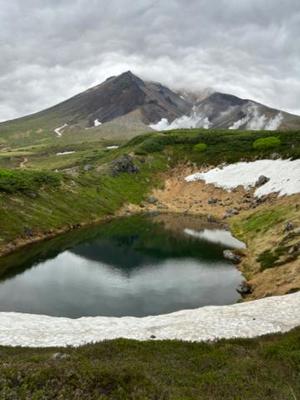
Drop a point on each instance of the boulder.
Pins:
(230, 212)
(60, 356)
(87, 167)
(261, 181)
(244, 288)
(230, 255)
(212, 201)
(124, 164)
(152, 200)
(289, 226)
(28, 232)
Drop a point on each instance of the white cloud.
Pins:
(53, 49)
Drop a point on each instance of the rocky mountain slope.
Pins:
(125, 106)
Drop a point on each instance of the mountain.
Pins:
(125, 105)
(225, 111)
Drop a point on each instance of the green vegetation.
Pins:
(266, 368)
(12, 181)
(260, 221)
(267, 259)
(85, 191)
(81, 198)
(222, 146)
(266, 143)
(200, 147)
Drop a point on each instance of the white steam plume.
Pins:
(256, 121)
(195, 120)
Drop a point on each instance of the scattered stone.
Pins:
(294, 249)
(261, 181)
(60, 356)
(152, 200)
(124, 164)
(289, 226)
(32, 195)
(244, 288)
(229, 255)
(275, 156)
(297, 231)
(87, 167)
(210, 218)
(230, 212)
(28, 232)
(212, 201)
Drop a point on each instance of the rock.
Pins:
(210, 218)
(124, 164)
(60, 356)
(87, 167)
(32, 195)
(297, 231)
(261, 181)
(212, 201)
(229, 255)
(230, 212)
(275, 156)
(288, 227)
(152, 337)
(294, 249)
(152, 200)
(28, 232)
(244, 288)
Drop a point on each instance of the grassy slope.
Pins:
(93, 194)
(265, 368)
(90, 196)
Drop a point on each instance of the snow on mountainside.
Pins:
(225, 111)
(126, 106)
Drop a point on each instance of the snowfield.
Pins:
(284, 176)
(65, 153)
(59, 130)
(244, 320)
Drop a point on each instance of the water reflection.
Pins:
(132, 266)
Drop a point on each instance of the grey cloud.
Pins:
(52, 49)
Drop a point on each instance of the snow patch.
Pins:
(97, 123)
(244, 320)
(284, 176)
(59, 130)
(219, 236)
(64, 153)
(195, 120)
(112, 147)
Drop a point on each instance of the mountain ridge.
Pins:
(128, 101)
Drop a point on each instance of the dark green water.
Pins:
(132, 266)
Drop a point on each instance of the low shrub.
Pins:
(12, 181)
(200, 147)
(266, 143)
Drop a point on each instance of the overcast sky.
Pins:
(53, 49)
